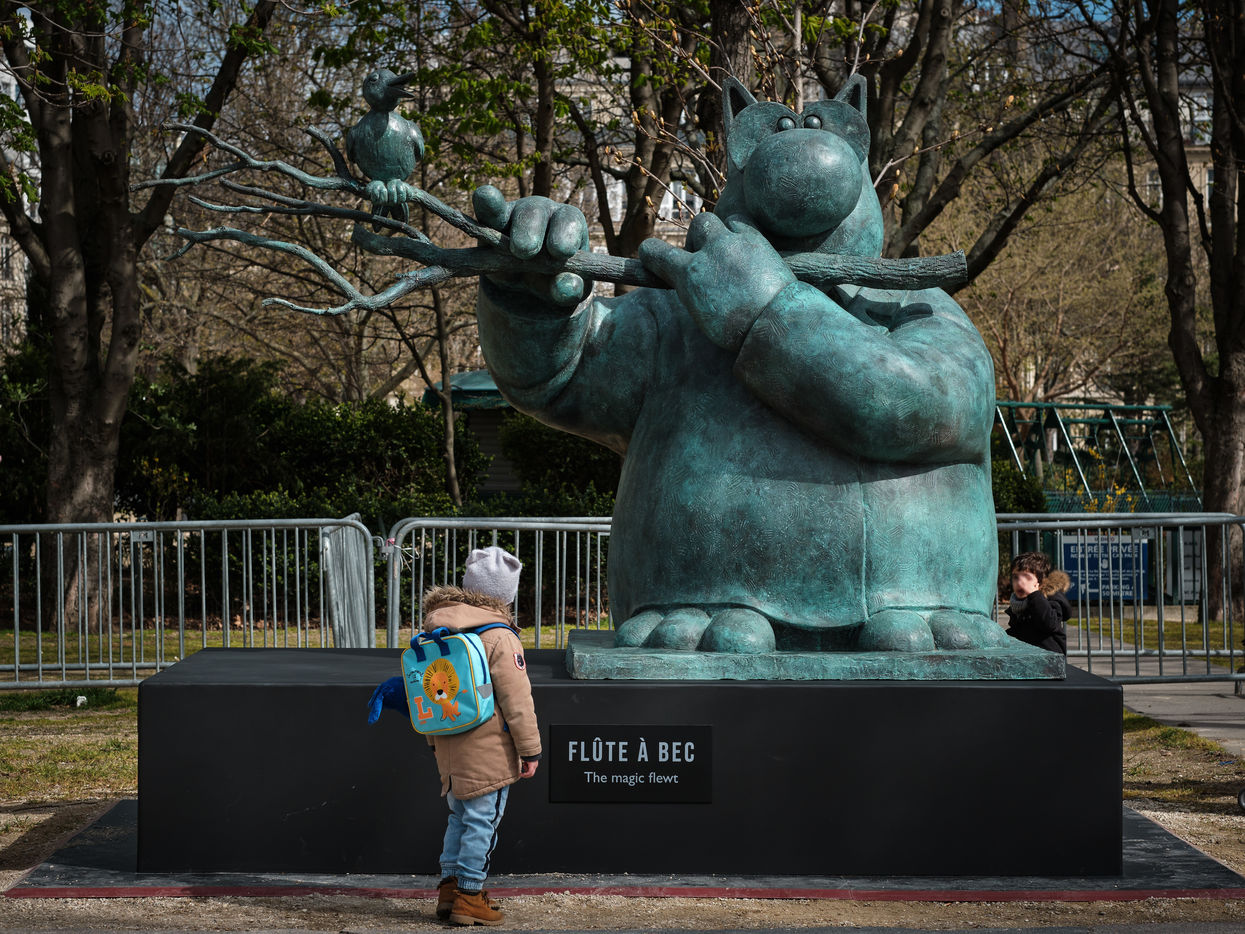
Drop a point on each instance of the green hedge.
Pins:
(25, 429)
(225, 443)
(1015, 492)
(548, 459)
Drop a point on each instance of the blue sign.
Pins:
(1107, 567)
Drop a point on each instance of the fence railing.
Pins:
(113, 603)
(1149, 603)
(563, 579)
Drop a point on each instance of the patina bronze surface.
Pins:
(805, 468)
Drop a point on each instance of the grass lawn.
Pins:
(1191, 636)
(1179, 769)
(1147, 733)
(53, 750)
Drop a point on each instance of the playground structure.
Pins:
(1093, 456)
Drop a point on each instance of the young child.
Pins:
(479, 766)
(1038, 609)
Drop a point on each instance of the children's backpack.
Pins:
(448, 688)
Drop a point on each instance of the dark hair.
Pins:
(1034, 562)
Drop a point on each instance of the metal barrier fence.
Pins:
(1139, 582)
(112, 603)
(1142, 588)
(563, 580)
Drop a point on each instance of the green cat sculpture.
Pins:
(803, 470)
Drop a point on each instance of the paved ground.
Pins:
(100, 862)
(1210, 708)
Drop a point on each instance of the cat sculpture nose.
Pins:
(799, 183)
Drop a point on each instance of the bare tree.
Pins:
(79, 68)
(1181, 73)
(1074, 302)
(952, 89)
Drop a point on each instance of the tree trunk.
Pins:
(85, 190)
(1216, 394)
(542, 175)
(730, 55)
(82, 459)
(84, 247)
(797, 56)
(1222, 478)
(646, 182)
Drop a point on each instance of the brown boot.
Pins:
(474, 909)
(445, 896)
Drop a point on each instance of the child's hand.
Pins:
(1024, 583)
(527, 767)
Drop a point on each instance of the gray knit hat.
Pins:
(494, 572)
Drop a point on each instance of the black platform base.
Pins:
(261, 761)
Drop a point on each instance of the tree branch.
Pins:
(949, 189)
(152, 214)
(994, 238)
(597, 173)
(821, 270)
(25, 230)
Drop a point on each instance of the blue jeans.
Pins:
(471, 835)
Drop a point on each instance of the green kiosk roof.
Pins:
(473, 389)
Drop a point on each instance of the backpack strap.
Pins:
(419, 642)
(488, 675)
(487, 626)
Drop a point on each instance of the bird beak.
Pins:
(399, 82)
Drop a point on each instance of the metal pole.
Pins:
(1119, 433)
(1016, 459)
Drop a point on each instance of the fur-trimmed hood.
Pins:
(1055, 582)
(439, 597)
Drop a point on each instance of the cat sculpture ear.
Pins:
(735, 97)
(855, 93)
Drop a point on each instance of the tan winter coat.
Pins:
(486, 758)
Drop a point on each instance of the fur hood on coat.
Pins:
(438, 597)
(1055, 582)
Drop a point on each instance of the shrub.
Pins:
(25, 429)
(1015, 492)
(224, 443)
(548, 459)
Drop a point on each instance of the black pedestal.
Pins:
(261, 760)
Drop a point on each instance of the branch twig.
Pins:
(493, 257)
